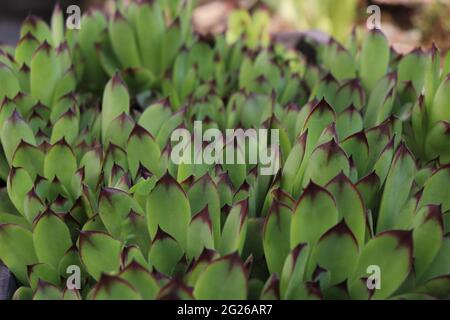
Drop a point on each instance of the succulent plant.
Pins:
(90, 182)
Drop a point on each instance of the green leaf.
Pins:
(271, 289)
(37, 27)
(412, 68)
(7, 218)
(44, 74)
(119, 130)
(384, 162)
(340, 61)
(132, 253)
(378, 96)
(276, 236)
(428, 232)
(438, 110)
(30, 158)
(10, 84)
(114, 288)
(374, 58)
(437, 142)
(378, 138)
(23, 293)
(99, 252)
(441, 262)
(356, 146)
(92, 162)
(91, 28)
(46, 291)
(175, 290)
(349, 93)
(314, 214)
(150, 16)
(318, 119)
(63, 105)
(71, 294)
(19, 183)
(154, 116)
(25, 49)
(114, 156)
(435, 288)
(348, 122)
(135, 230)
(326, 161)
(350, 207)
(397, 188)
(235, 229)
(66, 127)
(392, 252)
(336, 251)
(200, 233)
(165, 253)
(114, 207)
(171, 44)
(169, 125)
(204, 192)
(228, 269)
(141, 280)
(293, 162)
(42, 271)
(142, 149)
(435, 191)
(116, 100)
(168, 207)
(199, 265)
(15, 130)
(123, 41)
(57, 25)
(51, 238)
(17, 250)
(60, 162)
(306, 291)
(294, 269)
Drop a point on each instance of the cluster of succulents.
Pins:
(85, 125)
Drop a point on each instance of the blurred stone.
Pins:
(212, 17)
(9, 31)
(7, 283)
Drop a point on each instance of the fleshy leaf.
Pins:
(228, 269)
(235, 229)
(277, 236)
(99, 252)
(114, 288)
(168, 207)
(397, 188)
(51, 238)
(391, 252)
(336, 251)
(164, 253)
(17, 250)
(141, 280)
(314, 214)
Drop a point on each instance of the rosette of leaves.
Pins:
(39, 80)
(95, 187)
(141, 39)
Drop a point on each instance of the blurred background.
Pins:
(407, 23)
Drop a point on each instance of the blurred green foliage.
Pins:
(331, 16)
